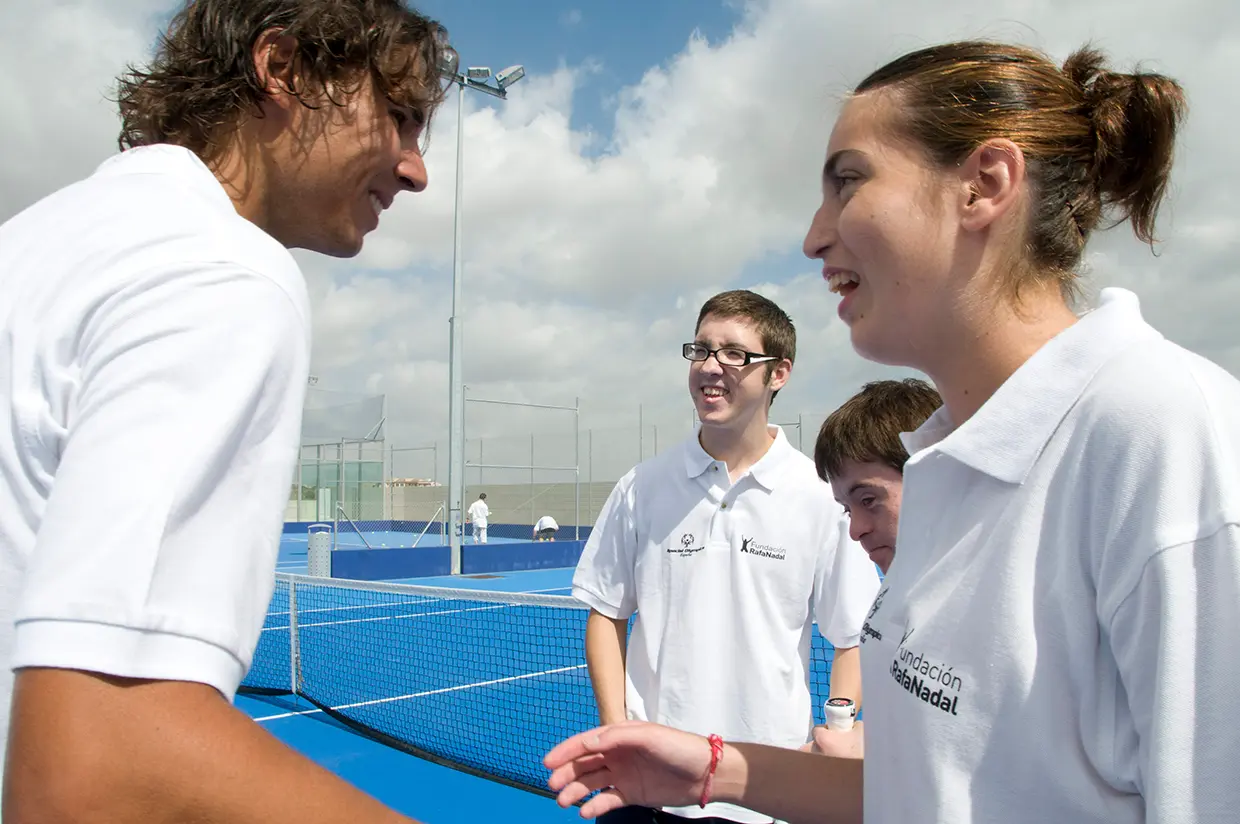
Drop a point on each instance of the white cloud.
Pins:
(587, 255)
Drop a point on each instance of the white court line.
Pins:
(440, 691)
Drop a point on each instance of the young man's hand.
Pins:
(837, 743)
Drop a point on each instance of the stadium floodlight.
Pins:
(450, 64)
(510, 75)
(475, 77)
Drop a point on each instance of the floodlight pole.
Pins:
(456, 423)
(456, 389)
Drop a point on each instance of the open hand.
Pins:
(633, 762)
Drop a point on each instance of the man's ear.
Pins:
(780, 375)
(991, 181)
(273, 56)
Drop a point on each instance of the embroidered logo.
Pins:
(750, 546)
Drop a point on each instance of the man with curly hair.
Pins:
(154, 351)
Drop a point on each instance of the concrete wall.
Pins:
(509, 503)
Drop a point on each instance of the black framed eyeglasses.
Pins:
(726, 355)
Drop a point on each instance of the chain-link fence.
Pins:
(376, 481)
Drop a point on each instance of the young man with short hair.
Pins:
(727, 547)
(154, 349)
(859, 452)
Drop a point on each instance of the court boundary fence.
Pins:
(340, 513)
(457, 473)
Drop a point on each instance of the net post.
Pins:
(294, 649)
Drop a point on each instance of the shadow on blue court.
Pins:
(413, 786)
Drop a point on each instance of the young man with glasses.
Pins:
(727, 547)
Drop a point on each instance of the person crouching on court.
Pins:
(546, 528)
(727, 547)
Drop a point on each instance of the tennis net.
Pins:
(485, 682)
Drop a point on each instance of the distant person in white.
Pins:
(727, 547)
(477, 515)
(1055, 640)
(154, 355)
(545, 529)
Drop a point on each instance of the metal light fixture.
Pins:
(449, 64)
(510, 75)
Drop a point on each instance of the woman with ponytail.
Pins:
(1054, 641)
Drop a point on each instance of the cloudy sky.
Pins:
(658, 151)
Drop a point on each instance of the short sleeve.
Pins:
(845, 585)
(155, 556)
(1173, 639)
(606, 574)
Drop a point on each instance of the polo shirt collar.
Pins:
(1004, 438)
(164, 158)
(766, 471)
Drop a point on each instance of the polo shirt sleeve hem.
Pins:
(597, 604)
(846, 642)
(125, 652)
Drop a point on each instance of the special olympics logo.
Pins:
(686, 540)
(877, 605)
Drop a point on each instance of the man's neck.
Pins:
(240, 170)
(738, 449)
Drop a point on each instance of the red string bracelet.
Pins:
(716, 755)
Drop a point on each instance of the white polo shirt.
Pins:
(545, 522)
(1057, 637)
(726, 580)
(154, 350)
(478, 512)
